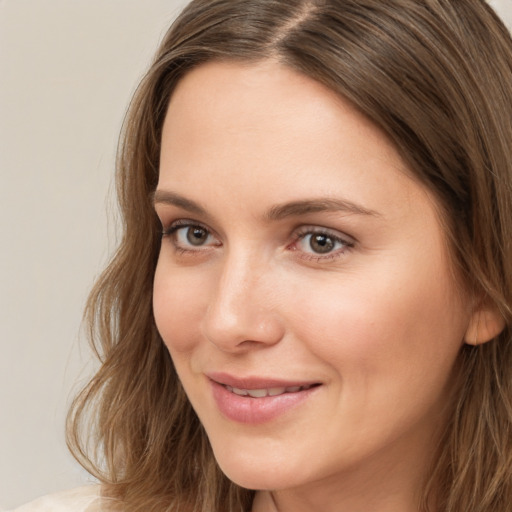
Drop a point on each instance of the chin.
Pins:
(258, 479)
(258, 470)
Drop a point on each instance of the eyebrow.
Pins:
(276, 212)
(314, 205)
(173, 199)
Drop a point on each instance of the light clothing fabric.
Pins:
(81, 499)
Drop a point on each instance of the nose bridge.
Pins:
(240, 308)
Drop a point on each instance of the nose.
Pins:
(243, 309)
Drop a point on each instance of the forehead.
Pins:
(277, 134)
(261, 95)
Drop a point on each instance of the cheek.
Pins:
(389, 324)
(179, 303)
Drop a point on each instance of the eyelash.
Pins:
(347, 243)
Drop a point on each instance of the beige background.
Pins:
(67, 70)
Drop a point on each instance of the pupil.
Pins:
(321, 243)
(197, 235)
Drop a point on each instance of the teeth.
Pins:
(261, 393)
(276, 391)
(257, 393)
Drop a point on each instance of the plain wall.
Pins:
(67, 71)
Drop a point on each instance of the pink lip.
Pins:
(249, 410)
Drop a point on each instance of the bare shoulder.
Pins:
(80, 499)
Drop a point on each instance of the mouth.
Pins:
(256, 400)
(264, 392)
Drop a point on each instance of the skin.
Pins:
(378, 321)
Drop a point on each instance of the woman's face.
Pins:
(303, 286)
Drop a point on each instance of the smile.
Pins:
(255, 400)
(263, 392)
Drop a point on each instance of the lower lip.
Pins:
(245, 409)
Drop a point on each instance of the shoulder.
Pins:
(81, 499)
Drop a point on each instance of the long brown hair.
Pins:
(436, 76)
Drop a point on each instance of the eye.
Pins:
(318, 243)
(188, 236)
(193, 235)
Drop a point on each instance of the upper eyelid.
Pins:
(169, 213)
(183, 223)
(336, 238)
(335, 233)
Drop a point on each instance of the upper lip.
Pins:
(253, 382)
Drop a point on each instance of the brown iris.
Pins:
(321, 243)
(197, 235)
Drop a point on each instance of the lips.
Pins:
(257, 400)
(263, 392)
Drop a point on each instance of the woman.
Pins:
(311, 304)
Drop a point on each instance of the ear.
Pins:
(485, 323)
